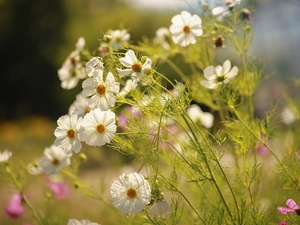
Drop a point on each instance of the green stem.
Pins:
(24, 197)
(211, 173)
(264, 143)
(177, 70)
(183, 196)
(34, 213)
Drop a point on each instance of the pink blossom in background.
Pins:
(282, 223)
(293, 208)
(122, 120)
(14, 209)
(262, 150)
(60, 190)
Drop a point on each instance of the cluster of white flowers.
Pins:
(123, 95)
(91, 118)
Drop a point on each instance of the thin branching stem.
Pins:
(210, 171)
(264, 143)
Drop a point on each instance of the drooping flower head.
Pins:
(130, 85)
(72, 70)
(80, 106)
(53, 160)
(5, 155)
(133, 67)
(98, 127)
(130, 193)
(101, 93)
(293, 208)
(160, 208)
(14, 209)
(218, 75)
(93, 64)
(221, 11)
(185, 28)
(67, 133)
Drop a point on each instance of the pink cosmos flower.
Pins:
(262, 150)
(14, 209)
(60, 190)
(293, 208)
(282, 223)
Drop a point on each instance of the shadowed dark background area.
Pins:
(31, 32)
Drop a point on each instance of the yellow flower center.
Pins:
(87, 110)
(101, 89)
(73, 61)
(118, 39)
(186, 29)
(228, 2)
(55, 161)
(100, 128)
(131, 193)
(136, 67)
(71, 133)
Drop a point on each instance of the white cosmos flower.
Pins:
(221, 11)
(67, 133)
(196, 114)
(93, 64)
(72, 70)
(53, 160)
(82, 222)
(5, 155)
(160, 208)
(161, 35)
(34, 168)
(288, 116)
(130, 193)
(80, 106)
(218, 75)
(133, 66)
(185, 28)
(118, 37)
(129, 86)
(98, 127)
(101, 92)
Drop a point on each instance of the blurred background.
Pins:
(37, 36)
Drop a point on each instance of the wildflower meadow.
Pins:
(192, 147)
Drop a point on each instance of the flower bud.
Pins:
(219, 41)
(246, 15)
(82, 157)
(205, 7)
